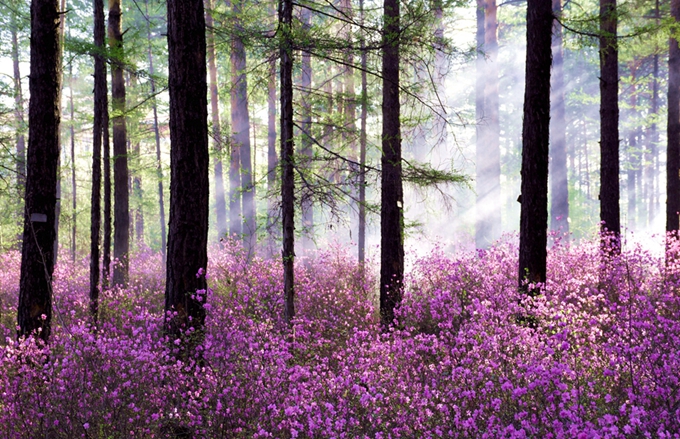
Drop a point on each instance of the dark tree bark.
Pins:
(362, 143)
(37, 258)
(189, 186)
(535, 140)
(306, 153)
(240, 125)
(157, 137)
(391, 191)
(349, 119)
(559, 187)
(287, 157)
(673, 151)
(272, 156)
(220, 204)
(488, 162)
(100, 103)
(121, 195)
(609, 122)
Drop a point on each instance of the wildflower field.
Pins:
(600, 359)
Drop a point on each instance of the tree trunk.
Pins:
(673, 151)
(240, 125)
(100, 103)
(362, 143)
(287, 157)
(609, 124)
(189, 161)
(391, 191)
(306, 204)
(535, 140)
(220, 205)
(121, 195)
(633, 153)
(653, 140)
(73, 167)
(272, 156)
(349, 119)
(157, 136)
(20, 124)
(106, 244)
(37, 259)
(559, 186)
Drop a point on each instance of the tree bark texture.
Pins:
(287, 157)
(240, 125)
(609, 121)
(673, 152)
(37, 258)
(559, 187)
(220, 204)
(189, 186)
(391, 191)
(72, 135)
(535, 140)
(100, 103)
(121, 195)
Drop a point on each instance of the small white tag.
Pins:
(399, 205)
(38, 218)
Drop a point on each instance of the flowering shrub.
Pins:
(601, 359)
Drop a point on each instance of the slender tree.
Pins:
(121, 221)
(157, 137)
(559, 186)
(106, 244)
(673, 151)
(306, 152)
(609, 122)
(535, 139)
(391, 191)
(362, 143)
(189, 186)
(287, 156)
(240, 125)
(220, 205)
(272, 156)
(100, 102)
(18, 112)
(72, 136)
(34, 312)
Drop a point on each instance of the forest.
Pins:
(340, 219)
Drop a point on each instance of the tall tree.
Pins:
(100, 103)
(72, 136)
(240, 125)
(306, 153)
(157, 137)
(34, 312)
(488, 138)
(391, 191)
(609, 121)
(18, 111)
(287, 156)
(189, 186)
(272, 156)
(121, 195)
(673, 152)
(220, 206)
(106, 241)
(535, 139)
(362, 142)
(559, 186)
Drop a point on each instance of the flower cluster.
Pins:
(599, 359)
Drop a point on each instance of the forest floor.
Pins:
(601, 359)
